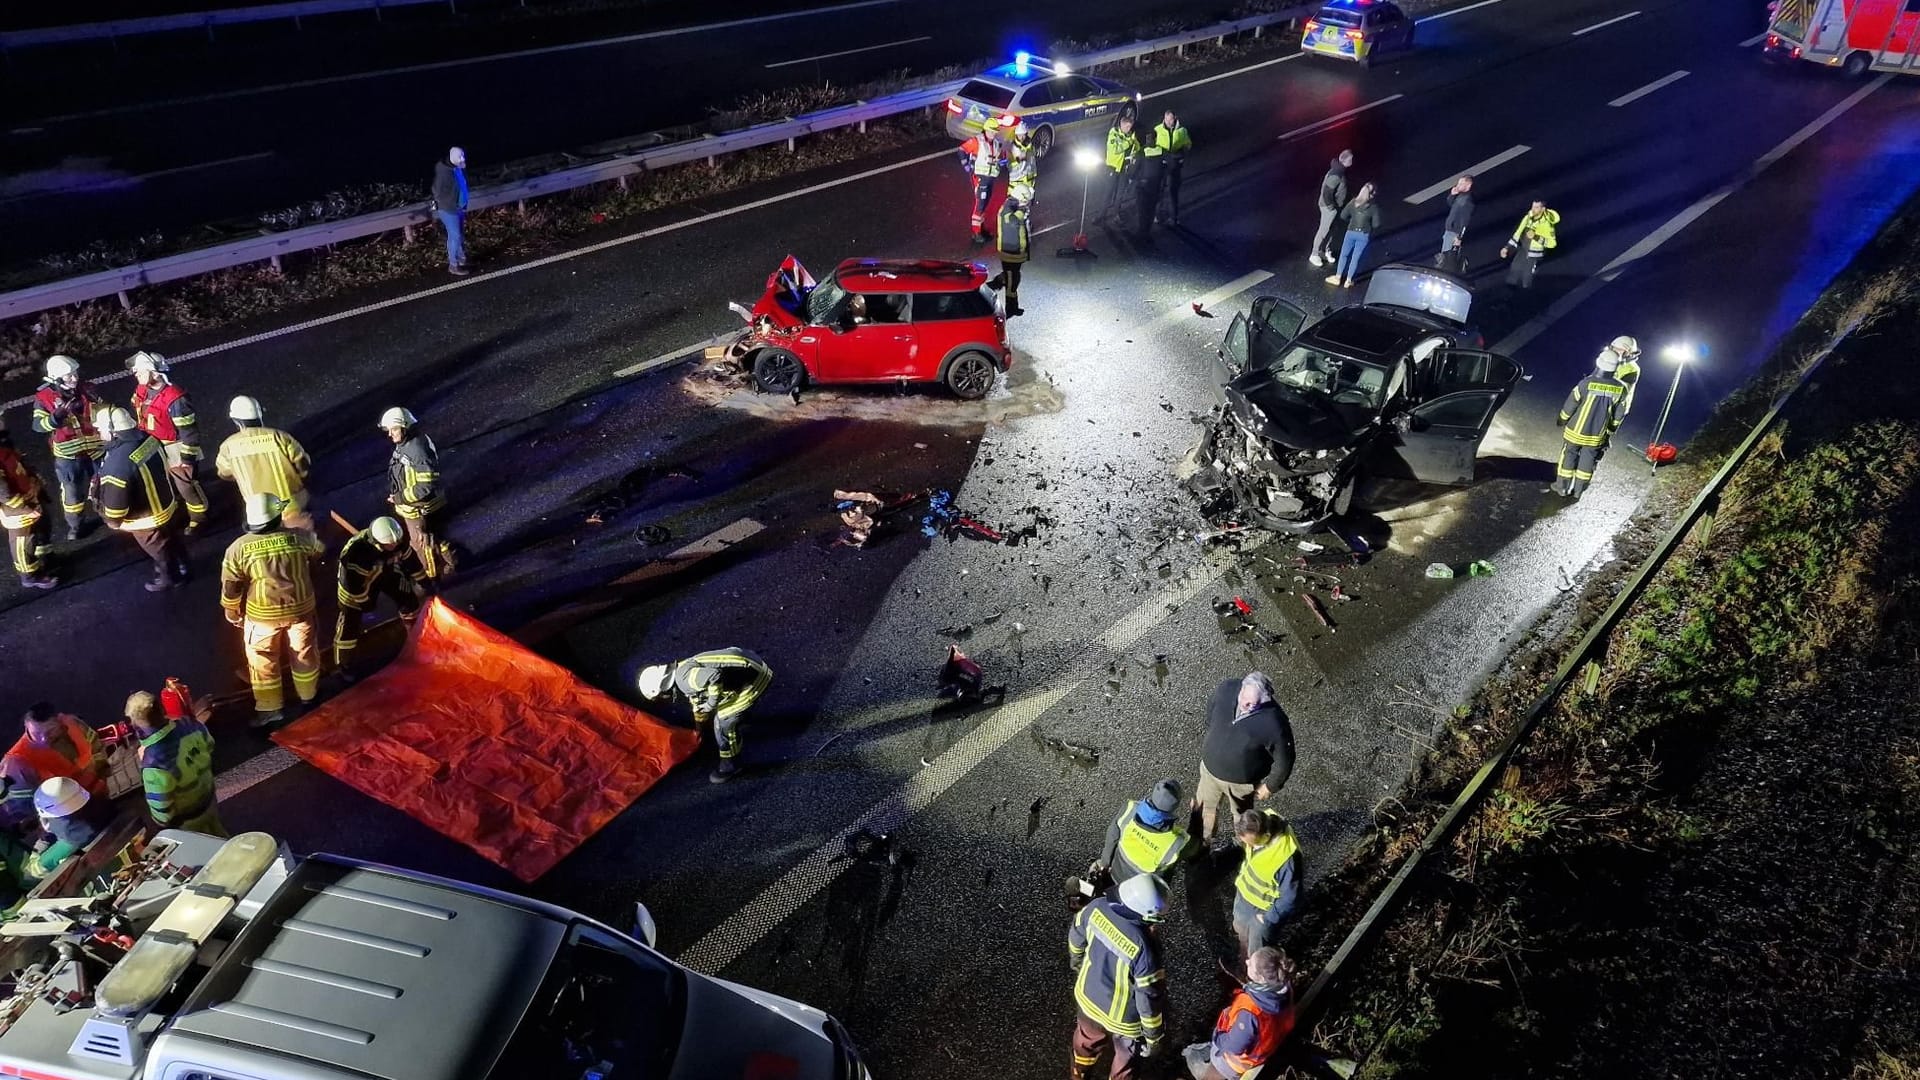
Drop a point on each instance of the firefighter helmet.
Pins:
(245, 408)
(1145, 895)
(151, 363)
(62, 367)
(114, 421)
(397, 417)
(60, 796)
(385, 531)
(1607, 361)
(1625, 346)
(263, 507)
(653, 681)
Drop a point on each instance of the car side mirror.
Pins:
(643, 924)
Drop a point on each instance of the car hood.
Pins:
(737, 1031)
(1286, 416)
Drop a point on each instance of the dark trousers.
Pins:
(76, 482)
(1146, 196)
(163, 546)
(28, 544)
(1577, 464)
(1174, 169)
(1009, 278)
(346, 625)
(1521, 270)
(1116, 191)
(1089, 1039)
(426, 535)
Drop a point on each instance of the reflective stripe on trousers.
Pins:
(263, 662)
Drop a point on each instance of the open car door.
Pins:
(1437, 440)
(1254, 340)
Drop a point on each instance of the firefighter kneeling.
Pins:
(375, 562)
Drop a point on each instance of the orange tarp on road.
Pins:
(506, 752)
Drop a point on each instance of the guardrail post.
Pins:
(1220, 42)
(1591, 673)
(712, 162)
(1180, 51)
(406, 235)
(376, 12)
(523, 207)
(1257, 31)
(863, 127)
(622, 181)
(274, 261)
(209, 28)
(126, 302)
(1703, 529)
(793, 143)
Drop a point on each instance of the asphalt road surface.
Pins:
(1711, 209)
(116, 144)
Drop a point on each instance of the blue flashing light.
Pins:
(1020, 63)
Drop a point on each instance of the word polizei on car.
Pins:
(1053, 100)
(875, 321)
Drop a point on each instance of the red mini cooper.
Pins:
(876, 321)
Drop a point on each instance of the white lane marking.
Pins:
(235, 160)
(1222, 75)
(1652, 241)
(558, 257)
(850, 52)
(106, 182)
(441, 65)
(1604, 25)
(673, 355)
(1755, 39)
(1636, 95)
(1050, 228)
(1220, 295)
(1338, 118)
(807, 878)
(1475, 170)
(1455, 11)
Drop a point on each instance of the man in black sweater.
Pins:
(1248, 754)
(1459, 213)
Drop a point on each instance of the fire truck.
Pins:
(1856, 36)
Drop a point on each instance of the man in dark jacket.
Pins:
(137, 498)
(1333, 196)
(1459, 213)
(450, 206)
(1248, 753)
(1149, 177)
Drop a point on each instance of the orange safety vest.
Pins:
(1270, 1030)
(47, 763)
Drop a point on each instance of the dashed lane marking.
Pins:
(1338, 118)
(673, 356)
(1755, 39)
(1476, 169)
(850, 52)
(1603, 25)
(1454, 11)
(746, 927)
(1635, 95)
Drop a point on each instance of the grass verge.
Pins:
(1705, 866)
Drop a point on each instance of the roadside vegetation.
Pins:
(1705, 865)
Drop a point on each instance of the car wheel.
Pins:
(1856, 65)
(777, 371)
(1042, 140)
(970, 375)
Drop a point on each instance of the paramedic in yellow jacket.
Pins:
(720, 685)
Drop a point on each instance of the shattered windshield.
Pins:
(1337, 379)
(823, 300)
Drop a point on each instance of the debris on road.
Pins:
(1439, 570)
(861, 512)
(1310, 547)
(1319, 612)
(963, 680)
(945, 518)
(1480, 568)
(1079, 753)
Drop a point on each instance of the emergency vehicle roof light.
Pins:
(147, 972)
(237, 866)
(1020, 63)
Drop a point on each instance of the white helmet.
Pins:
(152, 363)
(653, 681)
(60, 796)
(62, 367)
(397, 417)
(1608, 360)
(385, 531)
(114, 421)
(245, 408)
(262, 508)
(1625, 346)
(1145, 895)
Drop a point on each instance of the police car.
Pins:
(1051, 99)
(1357, 30)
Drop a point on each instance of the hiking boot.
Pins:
(724, 772)
(266, 719)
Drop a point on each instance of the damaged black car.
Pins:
(1395, 386)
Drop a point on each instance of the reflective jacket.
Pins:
(1594, 409)
(1119, 981)
(1251, 1028)
(1022, 175)
(264, 460)
(1133, 848)
(176, 768)
(27, 766)
(985, 155)
(268, 576)
(362, 563)
(167, 415)
(1122, 147)
(134, 490)
(19, 490)
(413, 477)
(1628, 374)
(1173, 144)
(65, 417)
(1537, 230)
(1013, 238)
(1269, 880)
(722, 683)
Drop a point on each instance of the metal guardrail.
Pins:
(1583, 662)
(270, 247)
(197, 20)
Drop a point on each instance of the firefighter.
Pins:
(413, 487)
(1268, 885)
(1593, 411)
(266, 589)
(1149, 836)
(51, 744)
(163, 411)
(375, 561)
(176, 761)
(1170, 142)
(1023, 166)
(1119, 981)
(22, 500)
(261, 460)
(1123, 151)
(137, 499)
(1532, 239)
(1013, 243)
(1628, 370)
(1251, 1028)
(720, 685)
(69, 821)
(984, 157)
(63, 411)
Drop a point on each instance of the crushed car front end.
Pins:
(1244, 477)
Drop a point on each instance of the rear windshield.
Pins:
(941, 306)
(1336, 17)
(988, 94)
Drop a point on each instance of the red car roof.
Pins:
(909, 275)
